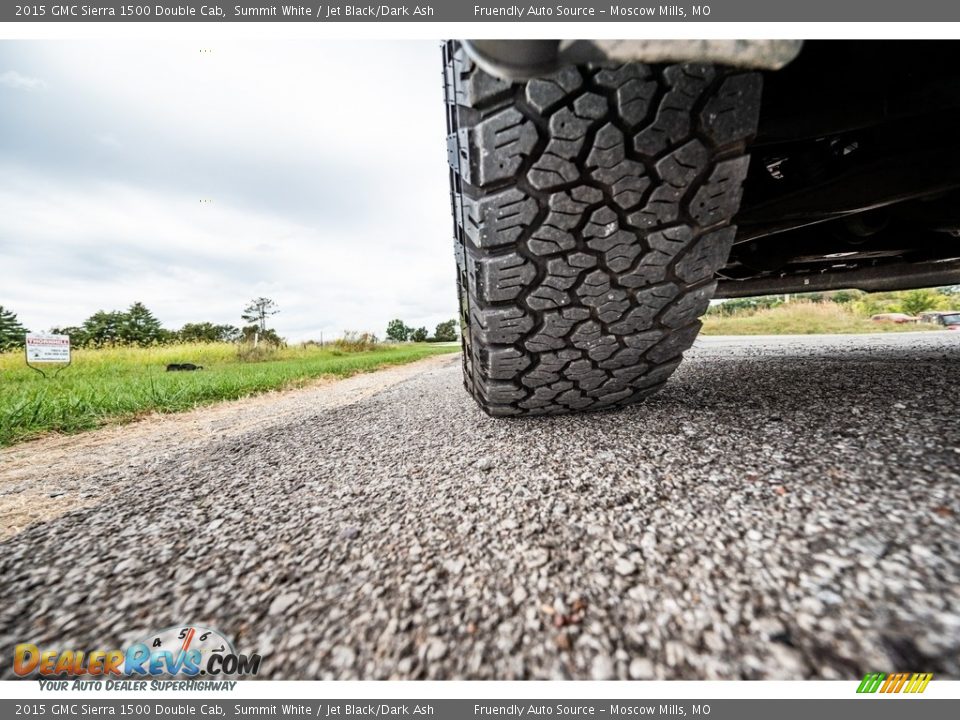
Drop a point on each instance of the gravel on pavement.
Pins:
(785, 508)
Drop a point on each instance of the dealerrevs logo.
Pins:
(181, 651)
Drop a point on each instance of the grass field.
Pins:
(801, 318)
(120, 384)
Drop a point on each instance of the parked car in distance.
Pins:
(898, 318)
(950, 320)
(940, 317)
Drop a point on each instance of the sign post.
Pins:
(47, 349)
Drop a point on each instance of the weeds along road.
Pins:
(785, 508)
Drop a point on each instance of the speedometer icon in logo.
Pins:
(191, 637)
(188, 650)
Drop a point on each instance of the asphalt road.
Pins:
(785, 508)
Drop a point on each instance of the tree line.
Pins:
(138, 326)
(399, 331)
(911, 302)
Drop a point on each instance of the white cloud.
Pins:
(109, 140)
(13, 79)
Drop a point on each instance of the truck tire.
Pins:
(592, 209)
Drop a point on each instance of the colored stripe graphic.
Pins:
(900, 679)
(870, 683)
(918, 683)
(896, 682)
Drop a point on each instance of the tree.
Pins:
(102, 328)
(917, 301)
(398, 331)
(420, 334)
(77, 336)
(11, 331)
(845, 296)
(139, 326)
(208, 332)
(252, 333)
(446, 331)
(258, 310)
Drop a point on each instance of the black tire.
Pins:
(592, 209)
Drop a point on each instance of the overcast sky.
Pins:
(324, 164)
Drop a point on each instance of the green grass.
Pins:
(120, 384)
(801, 318)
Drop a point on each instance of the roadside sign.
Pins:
(47, 349)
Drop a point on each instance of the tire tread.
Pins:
(592, 210)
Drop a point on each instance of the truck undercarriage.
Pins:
(854, 178)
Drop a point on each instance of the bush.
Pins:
(421, 334)
(800, 318)
(446, 331)
(745, 306)
(355, 342)
(253, 334)
(915, 302)
(248, 352)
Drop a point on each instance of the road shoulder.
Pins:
(55, 474)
